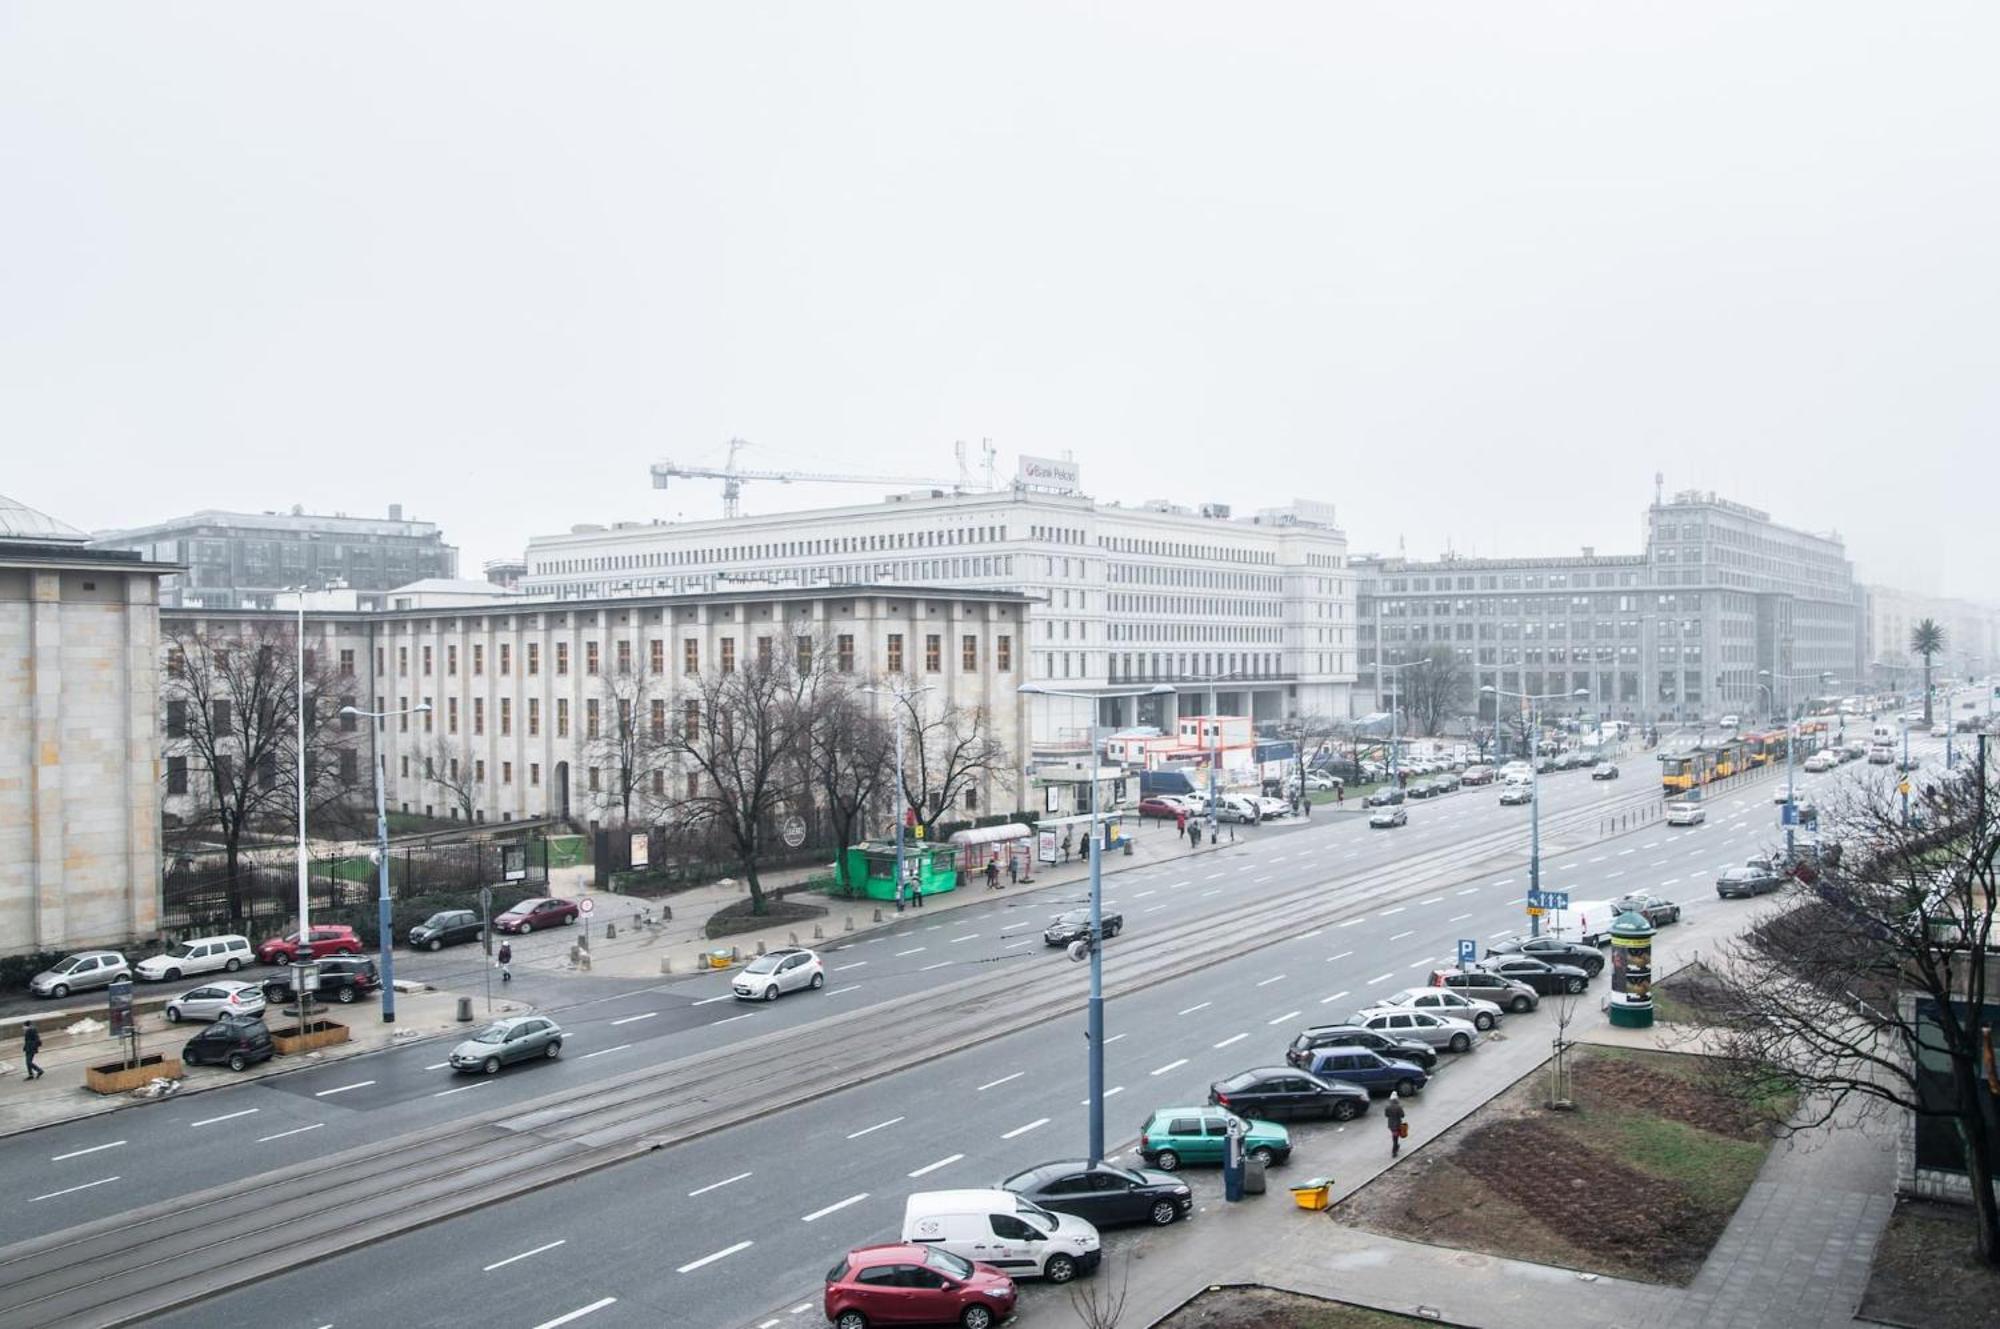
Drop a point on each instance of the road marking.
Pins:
(1023, 1130)
(1335, 997)
(851, 987)
(1509, 881)
(1599, 859)
(1200, 1006)
(1469, 890)
(1016, 927)
(476, 1084)
(1288, 1015)
(297, 1131)
(709, 1001)
(718, 1185)
(1609, 875)
(1113, 1039)
(1152, 909)
(1387, 912)
(1670, 881)
(1400, 935)
(1278, 978)
(102, 1181)
(853, 964)
(437, 1065)
(1214, 875)
(359, 1084)
(946, 1161)
(1650, 844)
(1308, 936)
(1353, 921)
(835, 1207)
(603, 1052)
(939, 965)
(79, 1153)
(1216, 891)
(1378, 978)
(1623, 852)
(1002, 1080)
(501, 1264)
(1233, 1038)
(1115, 1089)
(1025, 941)
(1418, 964)
(912, 951)
(731, 1019)
(1259, 881)
(1175, 885)
(1170, 1066)
(867, 1130)
(1140, 895)
(632, 1019)
(1435, 899)
(230, 1116)
(693, 1265)
(970, 936)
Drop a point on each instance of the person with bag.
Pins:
(1398, 1131)
(505, 956)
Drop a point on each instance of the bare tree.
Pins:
(1873, 988)
(945, 754)
(634, 743)
(850, 763)
(736, 740)
(1307, 734)
(232, 703)
(1099, 1302)
(1437, 691)
(449, 766)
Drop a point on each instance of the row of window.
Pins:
(656, 656)
(843, 544)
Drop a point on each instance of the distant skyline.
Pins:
(1473, 274)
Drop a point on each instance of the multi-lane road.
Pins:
(721, 1228)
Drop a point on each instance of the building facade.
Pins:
(245, 560)
(1126, 598)
(1721, 608)
(1889, 615)
(521, 692)
(79, 746)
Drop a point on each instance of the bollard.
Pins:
(465, 1010)
(819, 933)
(610, 931)
(795, 939)
(666, 964)
(735, 955)
(584, 963)
(878, 915)
(667, 913)
(760, 946)
(576, 955)
(850, 924)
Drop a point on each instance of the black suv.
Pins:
(234, 1041)
(1350, 1036)
(447, 927)
(342, 978)
(1553, 950)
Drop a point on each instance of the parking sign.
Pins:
(1468, 953)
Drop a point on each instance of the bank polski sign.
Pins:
(1046, 473)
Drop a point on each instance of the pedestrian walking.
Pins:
(916, 895)
(1232, 832)
(1013, 870)
(1066, 846)
(506, 958)
(1339, 794)
(1194, 836)
(31, 1043)
(1180, 827)
(992, 874)
(1397, 1130)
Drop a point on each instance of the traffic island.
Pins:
(293, 1039)
(121, 1077)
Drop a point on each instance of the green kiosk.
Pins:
(871, 867)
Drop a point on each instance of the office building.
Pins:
(245, 560)
(1889, 615)
(79, 738)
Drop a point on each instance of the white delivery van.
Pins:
(1004, 1230)
(1587, 921)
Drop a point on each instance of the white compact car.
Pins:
(1686, 814)
(212, 1001)
(788, 969)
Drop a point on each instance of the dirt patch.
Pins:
(1638, 1181)
(734, 918)
(1269, 1308)
(1694, 995)
(1927, 1273)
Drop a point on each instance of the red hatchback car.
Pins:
(914, 1284)
(530, 915)
(329, 940)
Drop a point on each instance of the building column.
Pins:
(45, 795)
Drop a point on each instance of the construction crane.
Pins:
(732, 476)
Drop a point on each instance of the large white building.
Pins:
(1126, 598)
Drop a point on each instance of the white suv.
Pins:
(788, 969)
(202, 955)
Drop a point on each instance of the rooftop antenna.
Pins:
(1659, 488)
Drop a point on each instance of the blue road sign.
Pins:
(1468, 953)
(1548, 899)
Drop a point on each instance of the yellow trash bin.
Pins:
(1314, 1194)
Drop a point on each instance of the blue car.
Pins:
(1371, 1070)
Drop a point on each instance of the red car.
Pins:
(914, 1284)
(1159, 807)
(328, 940)
(529, 915)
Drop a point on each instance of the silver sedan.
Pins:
(212, 1001)
(1440, 1031)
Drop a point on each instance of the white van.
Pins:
(1883, 735)
(202, 955)
(1004, 1230)
(1587, 921)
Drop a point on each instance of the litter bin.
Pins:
(1314, 1194)
(1253, 1177)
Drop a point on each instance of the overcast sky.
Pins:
(1472, 273)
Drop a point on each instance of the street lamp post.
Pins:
(1534, 784)
(1094, 1010)
(1393, 670)
(386, 940)
(1791, 817)
(1215, 752)
(901, 695)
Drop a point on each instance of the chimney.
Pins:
(395, 512)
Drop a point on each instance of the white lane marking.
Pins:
(102, 1181)
(718, 1185)
(1400, 935)
(476, 1084)
(1378, 978)
(1342, 956)
(1023, 1130)
(301, 1130)
(939, 965)
(1140, 895)
(1170, 1066)
(912, 951)
(866, 1130)
(1469, 890)
(1458, 918)
(1152, 909)
(990, 1084)
(946, 1161)
(970, 936)
(1198, 1006)
(1353, 921)
(851, 987)
(1388, 912)
(1623, 852)
(79, 1153)
(1275, 978)
(1233, 1038)
(835, 1207)
(693, 1265)
(604, 1052)
(1419, 964)
(1505, 881)
(1258, 881)
(1216, 891)
(1670, 881)
(1335, 997)
(1308, 936)
(852, 964)
(1025, 941)
(1114, 1089)
(1214, 875)
(358, 1084)
(1503, 932)
(437, 1065)
(1435, 899)
(633, 1019)
(731, 1019)
(1599, 859)
(1113, 1039)
(1609, 875)
(934, 927)
(501, 1264)
(1175, 884)
(227, 1116)
(709, 1001)
(1650, 844)
(1288, 1015)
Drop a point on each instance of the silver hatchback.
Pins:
(79, 973)
(517, 1038)
(1440, 1031)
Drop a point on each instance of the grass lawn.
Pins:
(343, 869)
(1270, 1308)
(568, 851)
